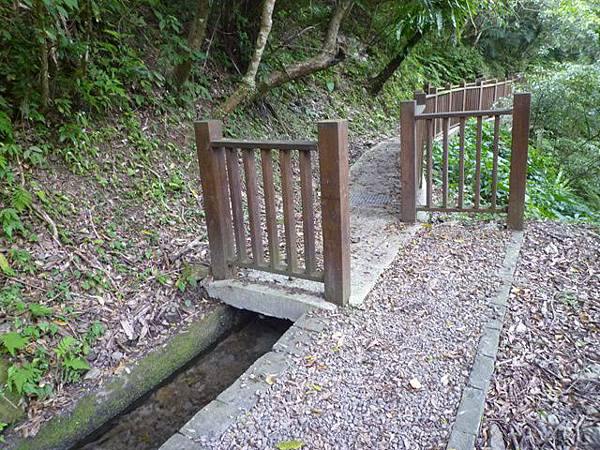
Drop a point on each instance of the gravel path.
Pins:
(390, 374)
(546, 388)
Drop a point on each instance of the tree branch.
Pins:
(330, 54)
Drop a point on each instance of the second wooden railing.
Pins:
(434, 116)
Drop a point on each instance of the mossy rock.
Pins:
(10, 412)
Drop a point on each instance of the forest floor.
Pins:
(546, 388)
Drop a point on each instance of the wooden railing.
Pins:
(230, 198)
(434, 116)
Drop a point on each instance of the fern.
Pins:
(21, 199)
(11, 222)
(13, 342)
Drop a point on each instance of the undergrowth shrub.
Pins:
(566, 123)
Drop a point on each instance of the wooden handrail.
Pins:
(448, 114)
(483, 83)
(265, 145)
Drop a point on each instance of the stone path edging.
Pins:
(470, 411)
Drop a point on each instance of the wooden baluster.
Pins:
(445, 163)
(477, 184)
(495, 162)
(463, 84)
(495, 98)
(270, 208)
(429, 162)
(461, 163)
(235, 193)
(449, 88)
(420, 138)
(289, 216)
(308, 213)
(435, 109)
(214, 187)
(256, 240)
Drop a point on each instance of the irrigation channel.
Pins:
(155, 418)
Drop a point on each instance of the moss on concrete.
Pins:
(95, 409)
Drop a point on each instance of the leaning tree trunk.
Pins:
(376, 83)
(328, 56)
(195, 38)
(247, 86)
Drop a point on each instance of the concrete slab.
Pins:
(270, 299)
(180, 442)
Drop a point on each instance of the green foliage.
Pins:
(70, 352)
(566, 123)
(400, 20)
(538, 32)
(549, 191)
(28, 345)
(13, 342)
(24, 379)
(443, 63)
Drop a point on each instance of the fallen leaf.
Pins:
(290, 445)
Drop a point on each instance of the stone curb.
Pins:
(215, 418)
(470, 411)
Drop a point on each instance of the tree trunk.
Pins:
(328, 56)
(43, 43)
(247, 86)
(376, 83)
(196, 35)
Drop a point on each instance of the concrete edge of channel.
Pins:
(471, 408)
(215, 418)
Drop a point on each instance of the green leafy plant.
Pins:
(70, 354)
(12, 342)
(549, 191)
(3, 426)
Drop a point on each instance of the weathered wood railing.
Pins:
(226, 210)
(433, 116)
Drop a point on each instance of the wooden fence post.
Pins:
(518, 160)
(479, 94)
(421, 130)
(215, 193)
(335, 209)
(408, 166)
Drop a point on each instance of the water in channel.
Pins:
(159, 415)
